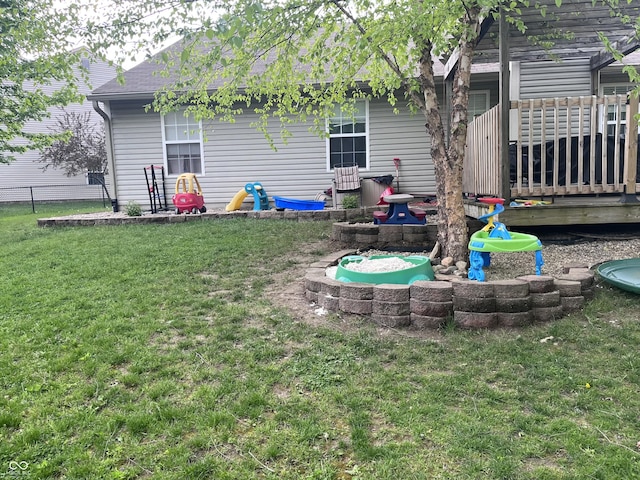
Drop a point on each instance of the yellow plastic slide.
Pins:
(236, 201)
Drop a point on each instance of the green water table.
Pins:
(494, 237)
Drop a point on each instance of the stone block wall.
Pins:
(379, 236)
(363, 214)
(472, 305)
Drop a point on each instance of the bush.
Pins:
(133, 209)
(350, 201)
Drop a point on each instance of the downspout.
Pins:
(110, 154)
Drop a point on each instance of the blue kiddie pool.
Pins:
(295, 204)
(420, 269)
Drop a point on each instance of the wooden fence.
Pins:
(560, 146)
(481, 173)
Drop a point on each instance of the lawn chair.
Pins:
(346, 181)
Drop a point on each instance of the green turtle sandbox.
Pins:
(421, 270)
(624, 274)
(494, 237)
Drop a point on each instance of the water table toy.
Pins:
(494, 237)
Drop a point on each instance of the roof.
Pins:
(574, 28)
(141, 81)
(578, 16)
(146, 78)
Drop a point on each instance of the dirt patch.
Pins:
(287, 291)
(287, 288)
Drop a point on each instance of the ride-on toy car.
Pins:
(188, 197)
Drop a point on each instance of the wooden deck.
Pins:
(571, 151)
(573, 210)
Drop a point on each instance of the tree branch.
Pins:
(385, 56)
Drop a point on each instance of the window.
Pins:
(348, 142)
(182, 139)
(95, 178)
(612, 110)
(478, 103)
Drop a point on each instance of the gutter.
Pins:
(110, 153)
(104, 97)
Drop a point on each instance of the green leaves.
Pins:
(184, 55)
(37, 70)
(236, 41)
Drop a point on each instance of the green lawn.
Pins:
(49, 209)
(155, 351)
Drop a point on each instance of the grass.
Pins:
(155, 351)
(48, 209)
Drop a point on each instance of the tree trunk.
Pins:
(452, 223)
(448, 161)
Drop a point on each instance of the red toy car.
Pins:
(188, 197)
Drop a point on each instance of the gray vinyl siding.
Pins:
(27, 171)
(236, 154)
(614, 77)
(137, 143)
(613, 73)
(548, 79)
(404, 136)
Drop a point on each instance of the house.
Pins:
(25, 176)
(235, 154)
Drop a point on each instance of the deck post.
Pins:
(631, 151)
(505, 105)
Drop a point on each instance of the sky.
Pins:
(107, 11)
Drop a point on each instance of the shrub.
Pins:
(133, 209)
(350, 201)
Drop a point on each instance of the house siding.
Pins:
(137, 143)
(613, 73)
(236, 154)
(548, 79)
(402, 136)
(26, 170)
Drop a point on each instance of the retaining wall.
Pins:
(378, 236)
(429, 304)
(108, 218)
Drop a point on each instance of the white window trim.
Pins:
(166, 142)
(337, 135)
(604, 116)
(487, 97)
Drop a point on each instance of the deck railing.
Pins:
(481, 173)
(559, 146)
